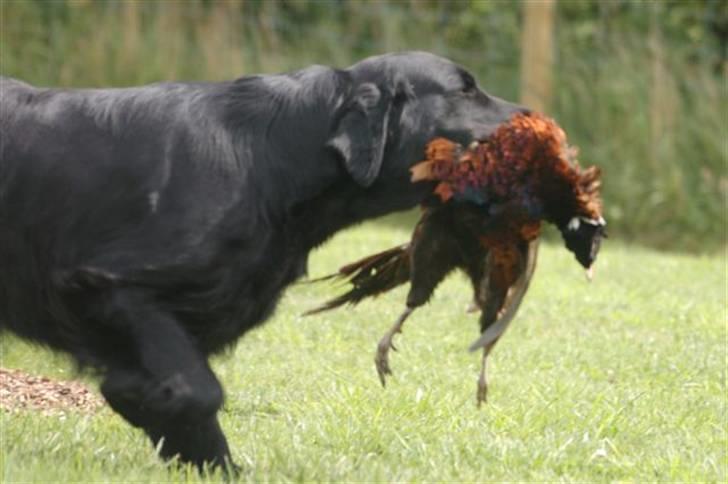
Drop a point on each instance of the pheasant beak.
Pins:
(583, 238)
(590, 273)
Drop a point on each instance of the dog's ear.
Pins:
(361, 133)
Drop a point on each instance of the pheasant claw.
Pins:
(381, 359)
(482, 393)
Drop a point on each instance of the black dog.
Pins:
(143, 229)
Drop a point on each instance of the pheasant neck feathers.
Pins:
(525, 161)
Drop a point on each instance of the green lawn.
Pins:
(620, 379)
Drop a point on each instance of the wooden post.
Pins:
(662, 92)
(537, 53)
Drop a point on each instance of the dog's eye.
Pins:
(469, 85)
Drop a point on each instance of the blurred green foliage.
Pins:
(639, 86)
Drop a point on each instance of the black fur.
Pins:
(143, 229)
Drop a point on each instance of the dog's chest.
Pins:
(242, 293)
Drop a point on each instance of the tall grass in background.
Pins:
(664, 187)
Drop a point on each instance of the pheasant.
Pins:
(484, 218)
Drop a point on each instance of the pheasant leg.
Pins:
(382, 357)
(482, 393)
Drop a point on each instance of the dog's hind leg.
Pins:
(164, 384)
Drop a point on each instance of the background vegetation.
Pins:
(639, 86)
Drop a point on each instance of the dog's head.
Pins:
(396, 103)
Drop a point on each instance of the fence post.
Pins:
(537, 53)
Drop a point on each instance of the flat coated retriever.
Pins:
(143, 229)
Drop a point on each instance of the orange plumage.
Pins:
(526, 160)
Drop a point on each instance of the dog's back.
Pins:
(114, 179)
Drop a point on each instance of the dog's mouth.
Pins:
(483, 133)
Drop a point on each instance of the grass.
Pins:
(621, 379)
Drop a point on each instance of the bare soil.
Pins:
(22, 391)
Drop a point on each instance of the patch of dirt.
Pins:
(22, 391)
